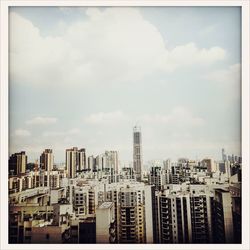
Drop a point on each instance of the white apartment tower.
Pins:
(137, 152)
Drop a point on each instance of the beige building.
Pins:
(105, 226)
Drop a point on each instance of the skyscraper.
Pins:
(137, 152)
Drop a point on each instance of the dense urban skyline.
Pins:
(92, 200)
(91, 74)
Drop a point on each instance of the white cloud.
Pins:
(189, 54)
(111, 46)
(228, 80)
(179, 116)
(106, 118)
(22, 133)
(41, 120)
(70, 132)
(230, 75)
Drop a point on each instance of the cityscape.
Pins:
(92, 199)
(125, 125)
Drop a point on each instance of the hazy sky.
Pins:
(85, 76)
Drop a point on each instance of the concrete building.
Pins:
(167, 165)
(223, 217)
(50, 234)
(47, 160)
(17, 163)
(157, 177)
(81, 201)
(127, 173)
(75, 161)
(132, 216)
(137, 152)
(27, 209)
(110, 165)
(209, 164)
(91, 163)
(184, 216)
(83, 230)
(105, 223)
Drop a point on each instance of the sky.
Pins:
(85, 76)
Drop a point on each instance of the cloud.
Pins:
(113, 45)
(73, 131)
(106, 118)
(225, 77)
(190, 54)
(228, 80)
(41, 120)
(22, 133)
(179, 117)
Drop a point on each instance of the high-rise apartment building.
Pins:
(157, 177)
(82, 159)
(17, 163)
(132, 210)
(174, 220)
(223, 217)
(184, 217)
(47, 160)
(75, 161)
(167, 165)
(91, 163)
(132, 216)
(137, 152)
(110, 165)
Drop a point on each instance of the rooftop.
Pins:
(105, 205)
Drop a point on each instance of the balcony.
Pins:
(112, 239)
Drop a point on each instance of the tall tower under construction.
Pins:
(137, 152)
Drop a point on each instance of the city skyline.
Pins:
(176, 76)
(136, 161)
